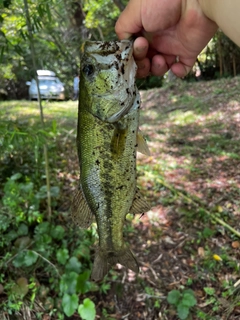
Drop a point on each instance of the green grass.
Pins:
(24, 110)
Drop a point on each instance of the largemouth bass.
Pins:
(107, 140)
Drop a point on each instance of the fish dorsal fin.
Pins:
(80, 210)
(142, 144)
(139, 204)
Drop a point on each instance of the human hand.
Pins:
(171, 34)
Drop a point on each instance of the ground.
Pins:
(191, 178)
(190, 239)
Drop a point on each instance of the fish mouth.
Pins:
(109, 70)
(107, 47)
(113, 61)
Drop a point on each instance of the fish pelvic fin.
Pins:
(80, 211)
(104, 261)
(142, 144)
(139, 204)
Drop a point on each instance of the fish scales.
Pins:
(107, 140)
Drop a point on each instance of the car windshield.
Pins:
(45, 82)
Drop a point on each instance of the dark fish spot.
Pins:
(122, 69)
(97, 162)
(88, 69)
(119, 188)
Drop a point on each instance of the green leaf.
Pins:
(182, 311)
(173, 297)
(70, 304)
(83, 285)
(11, 235)
(54, 191)
(16, 176)
(58, 232)
(210, 291)
(73, 265)
(62, 255)
(22, 229)
(87, 310)
(68, 283)
(30, 257)
(19, 260)
(188, 300)
(43, 228)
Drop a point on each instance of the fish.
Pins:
(107, 141)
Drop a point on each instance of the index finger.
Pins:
(129, 22)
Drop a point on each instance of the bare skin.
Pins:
(171, 34)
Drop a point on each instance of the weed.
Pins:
(182, 301)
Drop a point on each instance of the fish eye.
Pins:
(88, 69)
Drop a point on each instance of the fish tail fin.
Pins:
(103, 262)
(100, 266)
(126, 258)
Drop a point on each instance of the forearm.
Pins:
(226, 14)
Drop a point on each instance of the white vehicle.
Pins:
(50, 86)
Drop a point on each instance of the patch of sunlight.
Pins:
(184, 118)
(151, 113)
(22, 108)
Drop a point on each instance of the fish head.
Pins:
(107, 77)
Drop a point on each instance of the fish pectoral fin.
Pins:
(139, 204)
(142, 144)
(80, 211)
(103, 262)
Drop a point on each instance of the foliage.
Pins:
(183, 301)
(58, 32)
(101, 17)
(60, 28)
(35, 246)
(40, 260)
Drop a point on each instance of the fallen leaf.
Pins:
(235, 244)
(201, 252)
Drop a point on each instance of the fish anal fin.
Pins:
(139, 204)
(142, 144)
(80, 211)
